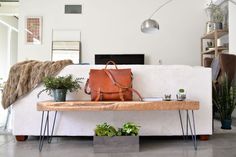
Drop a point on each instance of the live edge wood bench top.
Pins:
(116, 105)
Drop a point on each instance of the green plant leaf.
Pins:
(61, 82)
(130, 129)
(224, 97)
(105, 130)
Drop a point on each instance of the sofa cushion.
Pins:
(228, 65)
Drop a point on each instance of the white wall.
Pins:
(9, 20)
(14, 48)
(3, 50)
(232, 26)
(9, 8)
(113, 26)
(8, 44)
(8, 52)
(3, 63)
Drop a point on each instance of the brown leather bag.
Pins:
(110, 84)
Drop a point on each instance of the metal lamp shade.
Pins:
(149, 26)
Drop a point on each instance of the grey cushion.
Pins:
(215, 66)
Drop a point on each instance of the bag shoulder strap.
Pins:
(121, 86)
(86, 88)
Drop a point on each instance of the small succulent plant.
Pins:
(181, 90)
(128, 129)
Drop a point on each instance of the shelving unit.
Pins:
(212, 51)
(214, 36)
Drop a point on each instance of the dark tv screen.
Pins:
(119, 58)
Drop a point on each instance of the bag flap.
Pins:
(98, 79)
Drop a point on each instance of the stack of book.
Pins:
(152, 99)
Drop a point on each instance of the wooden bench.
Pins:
(99, 106)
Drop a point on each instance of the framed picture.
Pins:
(33, 30)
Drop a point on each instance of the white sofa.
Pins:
(149, 80)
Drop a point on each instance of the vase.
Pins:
(181, 96)
(226, 124)
(218, 25)
(59, 94)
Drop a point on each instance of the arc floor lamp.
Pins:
(150, 25)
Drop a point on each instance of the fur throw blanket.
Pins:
(25, 76)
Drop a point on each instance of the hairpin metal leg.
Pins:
(48, 127)
(193, 131)
(53, 126)
(190, 126)
(187, 117)
(41, 129)
(181, 123)
(42, 133)
(7, 120)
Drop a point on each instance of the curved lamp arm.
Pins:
(150, 25)
(159, 8)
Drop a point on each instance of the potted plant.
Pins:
(59, 86)
(181, 95)
(216, 15)
(109, 140)
(224, 98)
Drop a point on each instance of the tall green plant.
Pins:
(224, 97)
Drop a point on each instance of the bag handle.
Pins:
(121, 86)
(112, 63)
(86, 88)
